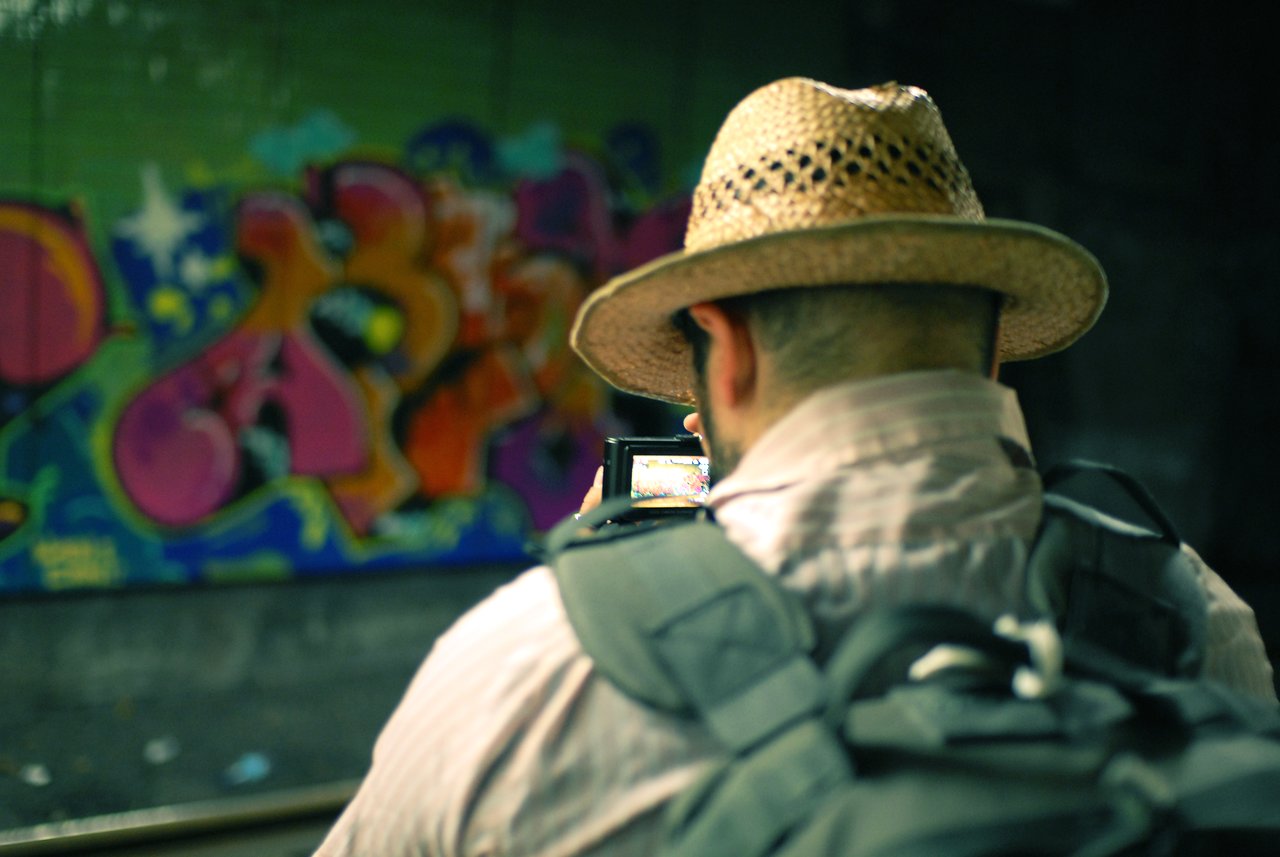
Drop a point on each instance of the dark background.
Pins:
(1136, 128)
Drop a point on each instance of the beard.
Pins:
(724, 455)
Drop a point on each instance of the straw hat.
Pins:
(807, 184)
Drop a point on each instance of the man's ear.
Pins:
(731, 359)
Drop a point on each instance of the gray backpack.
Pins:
(926, 732)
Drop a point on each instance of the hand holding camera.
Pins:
(664, 475)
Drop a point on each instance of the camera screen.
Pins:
(669, 480)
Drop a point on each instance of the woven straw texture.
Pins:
(807, 184)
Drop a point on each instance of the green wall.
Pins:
(94, 89)
(183, 397)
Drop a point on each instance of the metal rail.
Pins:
(176, 821)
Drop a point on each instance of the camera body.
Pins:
(663, 476)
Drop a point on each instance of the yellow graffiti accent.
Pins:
(385, 327)
(258, 567)
(12, 513)
(200, 174)
(221, 308)
(171, 305)
(438, 529)
(442, 535)
(78, 562)
(462, 512)
(313, 508)
(223, 267)
(438, 533)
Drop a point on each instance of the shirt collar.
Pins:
(864, 420)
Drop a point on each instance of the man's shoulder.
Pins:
(530, 596)
(522, 618)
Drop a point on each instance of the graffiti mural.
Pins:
(364, 367)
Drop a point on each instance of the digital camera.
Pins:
(661, 475)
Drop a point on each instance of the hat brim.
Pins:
(1054, 288)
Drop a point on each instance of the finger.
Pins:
(693, 425)
(593, 497)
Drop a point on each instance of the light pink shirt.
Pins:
(880, 492)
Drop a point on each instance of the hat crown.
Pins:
(800, 154)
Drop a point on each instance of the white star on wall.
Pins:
(159, 226)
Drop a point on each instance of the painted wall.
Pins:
(285, 288)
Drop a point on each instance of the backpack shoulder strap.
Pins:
(1128, 590)
(677, 616)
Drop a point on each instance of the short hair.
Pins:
(821, 335)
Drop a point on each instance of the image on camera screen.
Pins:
(669, 480)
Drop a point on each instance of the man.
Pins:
(836, 317)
